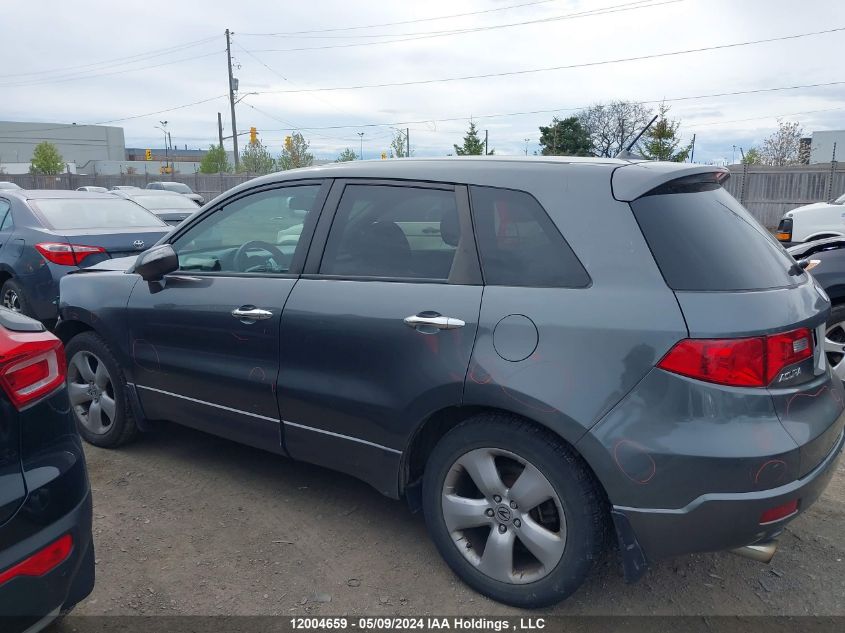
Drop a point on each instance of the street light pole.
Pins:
(361, 150)
(163, 128)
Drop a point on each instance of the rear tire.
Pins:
(835, 340)
(97, 392)
(547, 527)
(13, 297)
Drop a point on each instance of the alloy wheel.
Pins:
(503, 515)
(91, 392)
(834, 348)
(12, 300)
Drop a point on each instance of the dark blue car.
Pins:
(46, 234)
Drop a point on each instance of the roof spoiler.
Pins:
(633, 181)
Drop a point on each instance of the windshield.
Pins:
(158, 202)
(93, 213)
(178, 187)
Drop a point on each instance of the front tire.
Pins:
(97, 393)
(13, 298)
(514, 511)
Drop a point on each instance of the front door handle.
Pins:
(251, 314)
(439, 322)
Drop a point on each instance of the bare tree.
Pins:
(295, 153)
(784, 144)
(612, 126)
(399, 146)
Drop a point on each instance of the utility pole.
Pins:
(485, 142)
(170, 146)
(232, 97)
(526, 145)
(692, 151)
(220, 129)
(408, 142)
(361, 150)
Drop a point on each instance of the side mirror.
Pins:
(155, 263)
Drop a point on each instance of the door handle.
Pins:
(439, 322)
(251, 314)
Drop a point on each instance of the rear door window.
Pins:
(707, 241)
(519, 244)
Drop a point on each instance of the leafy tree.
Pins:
(752, 157)
(661, 140)
(215, 161)
(612, 126)
(399, 145)
(256, 159)
(46, 160)
(473, 145)
(783, 146)
(295, 153)
(565, 138)
(346, 155)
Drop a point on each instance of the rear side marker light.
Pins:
(743, 362)
(66, 254)
(42, 562)
(31, 366)
(784, 237)
(780, 512)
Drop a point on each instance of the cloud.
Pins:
(53, 35)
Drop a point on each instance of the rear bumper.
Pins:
(28, 601)
(714, 522)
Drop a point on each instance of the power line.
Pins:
(418, 20)
(556, 68)
(573, 109)
(179, 107)
(433, 34)
(158, 52)
(106, 74)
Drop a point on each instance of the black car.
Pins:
(46, 548)
(46, 234)
(825, 260)
(461, 332)
(168, 206)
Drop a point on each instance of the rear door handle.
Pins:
(439, 322)
(251, 314)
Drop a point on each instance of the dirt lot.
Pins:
(186, 523)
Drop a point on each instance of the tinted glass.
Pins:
(5, 216)
(155, 202)
(257, 234)
(393, 231)
(519, 244)
(708, 241)
(94, 213)
(178, 187)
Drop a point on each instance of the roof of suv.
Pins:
(628, 184)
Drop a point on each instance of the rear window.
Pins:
(156, 202)
(706, 240)
(93, 213)
(519, 244)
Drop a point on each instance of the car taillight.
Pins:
(32, 365)
(743, 362)
(67, 254)
(43, 561)
(784, 232)
(780, 512)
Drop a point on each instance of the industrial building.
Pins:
(822, 146)
(78, 144)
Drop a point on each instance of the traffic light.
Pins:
(384, 155)
(253, 136)
(288, 142)
(148, 154)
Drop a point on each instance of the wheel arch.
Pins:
(435, 426)
(66, 330)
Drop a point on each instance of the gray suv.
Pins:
(539, 353)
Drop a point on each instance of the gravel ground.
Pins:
(186, 523)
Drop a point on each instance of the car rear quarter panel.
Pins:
(592, 344)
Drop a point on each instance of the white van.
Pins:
(813, 222)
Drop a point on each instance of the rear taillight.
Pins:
(743, 362)
(67, 254)
(43, 561)
(780, 512)
(32, 365)
(784, 232)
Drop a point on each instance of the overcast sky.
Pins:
(67, 62)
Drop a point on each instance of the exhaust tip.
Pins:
(761, 552)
